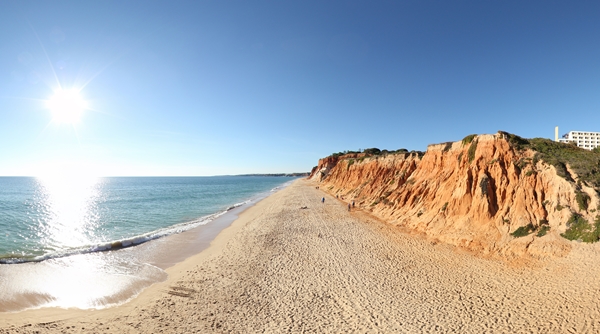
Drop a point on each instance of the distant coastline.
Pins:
(279, 174)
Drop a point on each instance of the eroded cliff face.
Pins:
(325, 165)
(471, 195)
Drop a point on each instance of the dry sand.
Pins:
(280, 268)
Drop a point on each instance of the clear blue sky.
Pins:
(230, 87)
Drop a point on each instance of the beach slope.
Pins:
(294, 264)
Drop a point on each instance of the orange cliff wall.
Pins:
(472, 204)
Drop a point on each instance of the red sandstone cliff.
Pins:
(468, 195)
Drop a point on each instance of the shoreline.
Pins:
(218, 230)
(118, 275)
(282, 267)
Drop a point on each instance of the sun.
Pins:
(66, 106)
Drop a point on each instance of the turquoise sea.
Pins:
(42, 219)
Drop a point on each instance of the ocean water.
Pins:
(43, 219)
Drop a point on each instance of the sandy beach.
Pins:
(284, 268)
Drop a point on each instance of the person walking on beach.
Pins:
(348, 206)
(323, 200)
(352, 203)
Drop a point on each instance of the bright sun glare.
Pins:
(66, 106)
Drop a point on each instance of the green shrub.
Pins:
(583, 162)
(372, 151)
(419, 154)
(543, 230)
(559, 207)
(468, 139)
(522, 163)
(471, 151)
(447, 146)
(536, 158)
(444, 206)
(339, 154)
(523, 231)
(350, 163)
(515, 141)
(582, 199)
(579, 229)
(518, 169)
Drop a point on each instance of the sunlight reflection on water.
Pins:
(84, 281)
(67, 212)
(68, 206)
(66, 223)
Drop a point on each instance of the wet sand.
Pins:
(280, 268)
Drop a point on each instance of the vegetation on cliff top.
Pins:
(369, 152)
(468, 139)
(585, 163)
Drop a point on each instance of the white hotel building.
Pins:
(583, 139)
